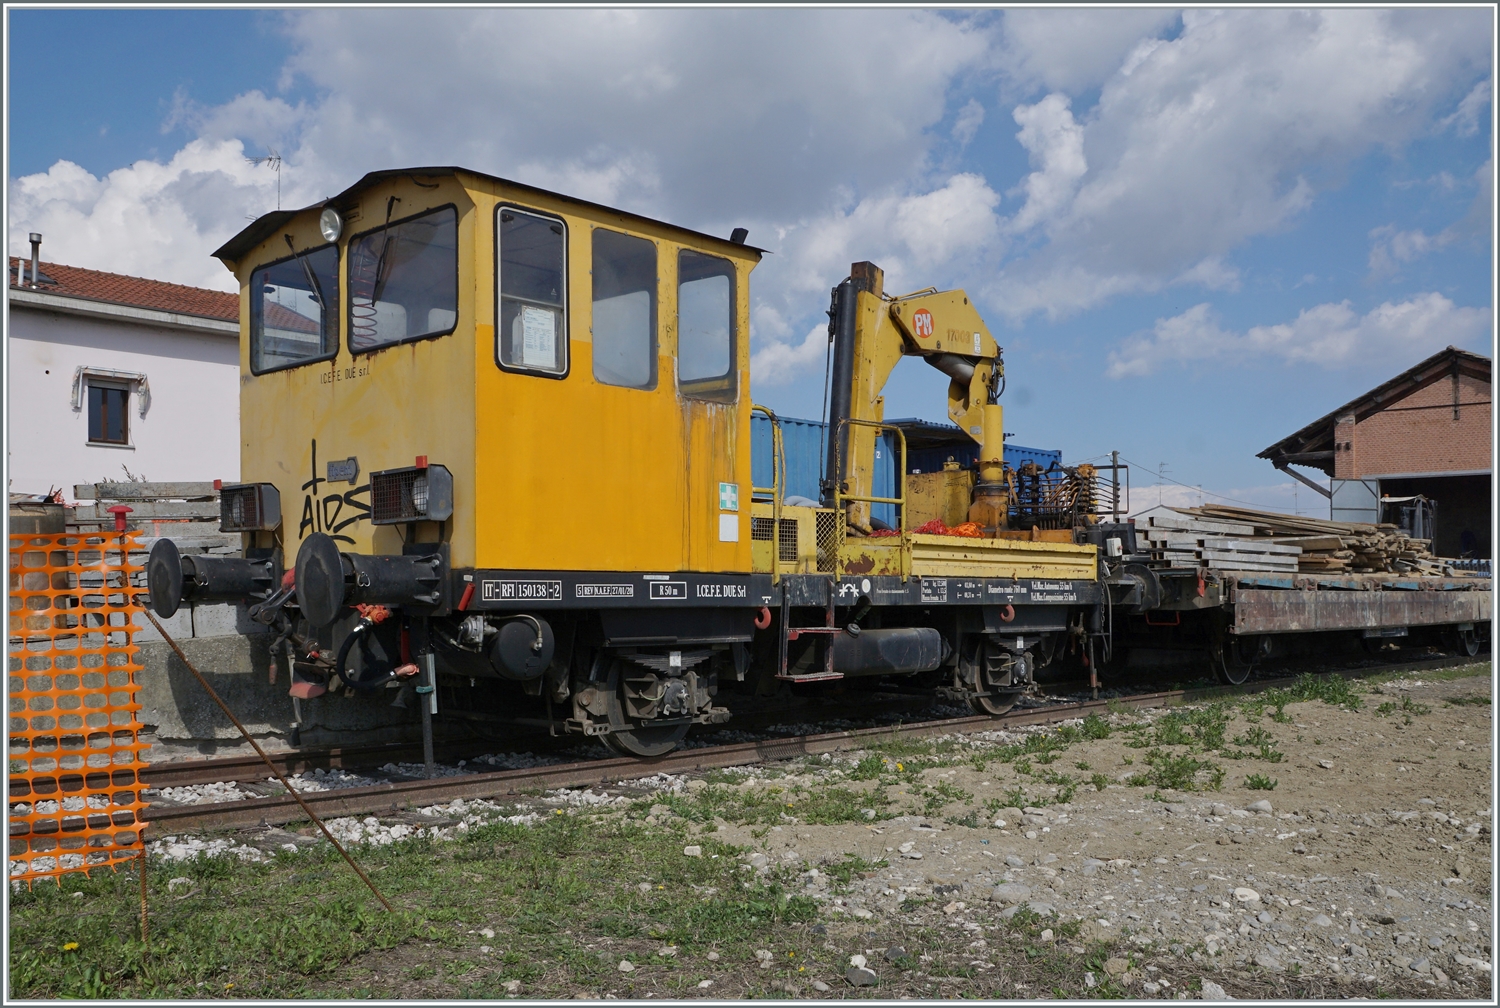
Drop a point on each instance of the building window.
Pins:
(109, 414)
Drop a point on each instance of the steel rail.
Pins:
(251, 769)
(393, 797)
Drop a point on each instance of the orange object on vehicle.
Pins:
(970, 530)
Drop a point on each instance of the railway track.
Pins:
(396, 796)
(250, 768)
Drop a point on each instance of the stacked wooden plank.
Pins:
(1176, 538)
(1329, 547)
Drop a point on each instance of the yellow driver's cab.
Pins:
(473, 411)
(581, 373)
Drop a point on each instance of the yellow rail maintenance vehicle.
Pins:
(496, 453)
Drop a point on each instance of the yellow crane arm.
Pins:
(942, 327)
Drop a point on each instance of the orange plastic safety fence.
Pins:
(75, 758)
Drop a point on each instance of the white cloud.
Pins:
(1055, 143)
(708, 118)
(783, 363)
(821, 130)
(945, 234)
(1193, 335)
(1071, 50)
(1328, 335)
(153, 220)
(967, 122)
(1465, 118)
(1212, 273)
(724, 112)
(1391, 247)
(1223, 133)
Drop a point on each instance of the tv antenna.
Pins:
(272, 160)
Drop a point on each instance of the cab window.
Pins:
(624, 317)
(530, 253)
(403, 281)
(705, 326)
(294, 310)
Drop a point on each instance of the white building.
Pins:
(114, 378)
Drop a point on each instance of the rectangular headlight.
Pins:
(249, 507)
(415, 493)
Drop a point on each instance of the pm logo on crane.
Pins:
(921, 323)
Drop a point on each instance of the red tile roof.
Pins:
(115, 288)
(279, 316)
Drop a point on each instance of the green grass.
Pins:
(1066, 786)
(1407, 707)
(852, 865)
(1479, 668)
(283, 928)
(1178, 772)
(1467, 701)
(1264, 744)
(775, 805)
(1260, 782)
(1334, 690)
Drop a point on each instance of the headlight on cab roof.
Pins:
(249, 507)
(416, 493)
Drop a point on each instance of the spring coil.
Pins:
(364, 276)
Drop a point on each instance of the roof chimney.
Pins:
(36, 257)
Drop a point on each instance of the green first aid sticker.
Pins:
(729, 496)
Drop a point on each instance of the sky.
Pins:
(1193, 232)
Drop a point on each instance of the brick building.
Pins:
(1424, 434)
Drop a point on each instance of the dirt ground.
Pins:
(1315, 841)
(1373, 862)
(1359, 866)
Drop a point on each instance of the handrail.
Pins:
(778, 470)
(839, 497)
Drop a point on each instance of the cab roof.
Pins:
(264, 226)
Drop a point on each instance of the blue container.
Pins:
(806, 448)
(802, 440)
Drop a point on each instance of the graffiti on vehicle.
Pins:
(325, 512)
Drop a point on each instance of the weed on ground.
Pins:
(552, 909)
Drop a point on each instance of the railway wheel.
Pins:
(993, 677)
(632, 736)
(1232, 671)
(1463, 642)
